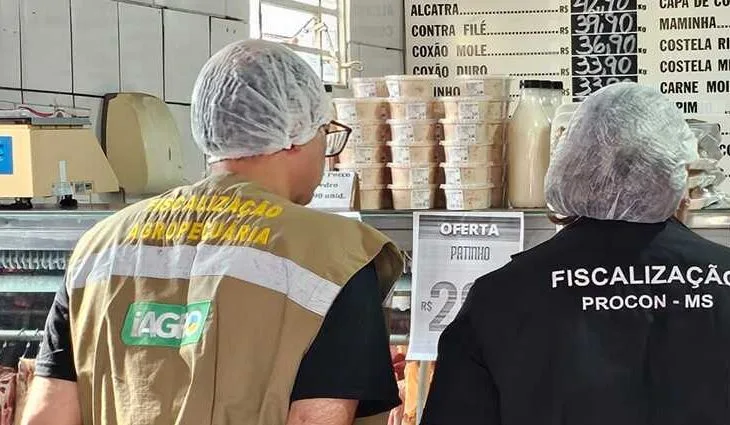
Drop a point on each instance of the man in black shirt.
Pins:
(227, 301)
(349, 358)
(621, 318)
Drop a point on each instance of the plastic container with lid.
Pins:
(365, 154)
(351, 110)
(473, 173)
(528, 149)
(413, 197)
(369, 133)
(368, 174)
(410, 85)
(415, 131)
(475, 108)
(414, 153)
(473, 132)
(369, 87)
(407, 175)
(473, 197)
(495, 86)
(474, 153)
(375, 197)
(413, 108)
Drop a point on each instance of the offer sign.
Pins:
(451, 251)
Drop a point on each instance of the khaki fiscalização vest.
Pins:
(197, 306)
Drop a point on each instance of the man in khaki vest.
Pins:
(227, 302)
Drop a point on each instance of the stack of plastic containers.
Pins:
(415, 152)
(366, 152)
(474, 131)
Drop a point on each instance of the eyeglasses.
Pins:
(336, 136)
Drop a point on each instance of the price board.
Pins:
(452, 250)
(681, 47)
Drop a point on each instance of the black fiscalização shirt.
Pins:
(607, 323)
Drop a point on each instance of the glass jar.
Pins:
(528, 142)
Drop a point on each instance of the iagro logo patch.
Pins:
(165, 325)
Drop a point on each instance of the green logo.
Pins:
(165, 325)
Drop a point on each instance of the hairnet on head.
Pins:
(624, 157)
(256, 97)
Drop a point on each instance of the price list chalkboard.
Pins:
(681, 47)
(604, 44)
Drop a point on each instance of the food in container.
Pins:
(369, 132)
(489, 85)
(473, 197)
(375, 197)
(407, 175)
(471, 174)
(475, 108)
(365, 154)
(473, 132)
(351, 110)
(410, 85)
(414, 153)
(413, 108)
(369, 87)
(413, 197)
(476, 153)
(368, 174)
(415, 131)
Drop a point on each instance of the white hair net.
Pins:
(256, 97)
(624, 157)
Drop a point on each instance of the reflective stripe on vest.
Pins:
(247, 264)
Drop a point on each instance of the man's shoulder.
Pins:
(321, 224)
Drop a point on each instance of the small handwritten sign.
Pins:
(336, 192)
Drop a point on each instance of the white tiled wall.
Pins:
(45, 45)
(376, 36)
(187, 47)
(72, 52)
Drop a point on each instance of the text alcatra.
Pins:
(435, 9)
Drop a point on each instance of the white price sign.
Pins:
(335, 192)
(451, 251)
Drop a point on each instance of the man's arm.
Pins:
(52, 402)
(463, 390)
(322, 412)
(347, 371)
(53, 397)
